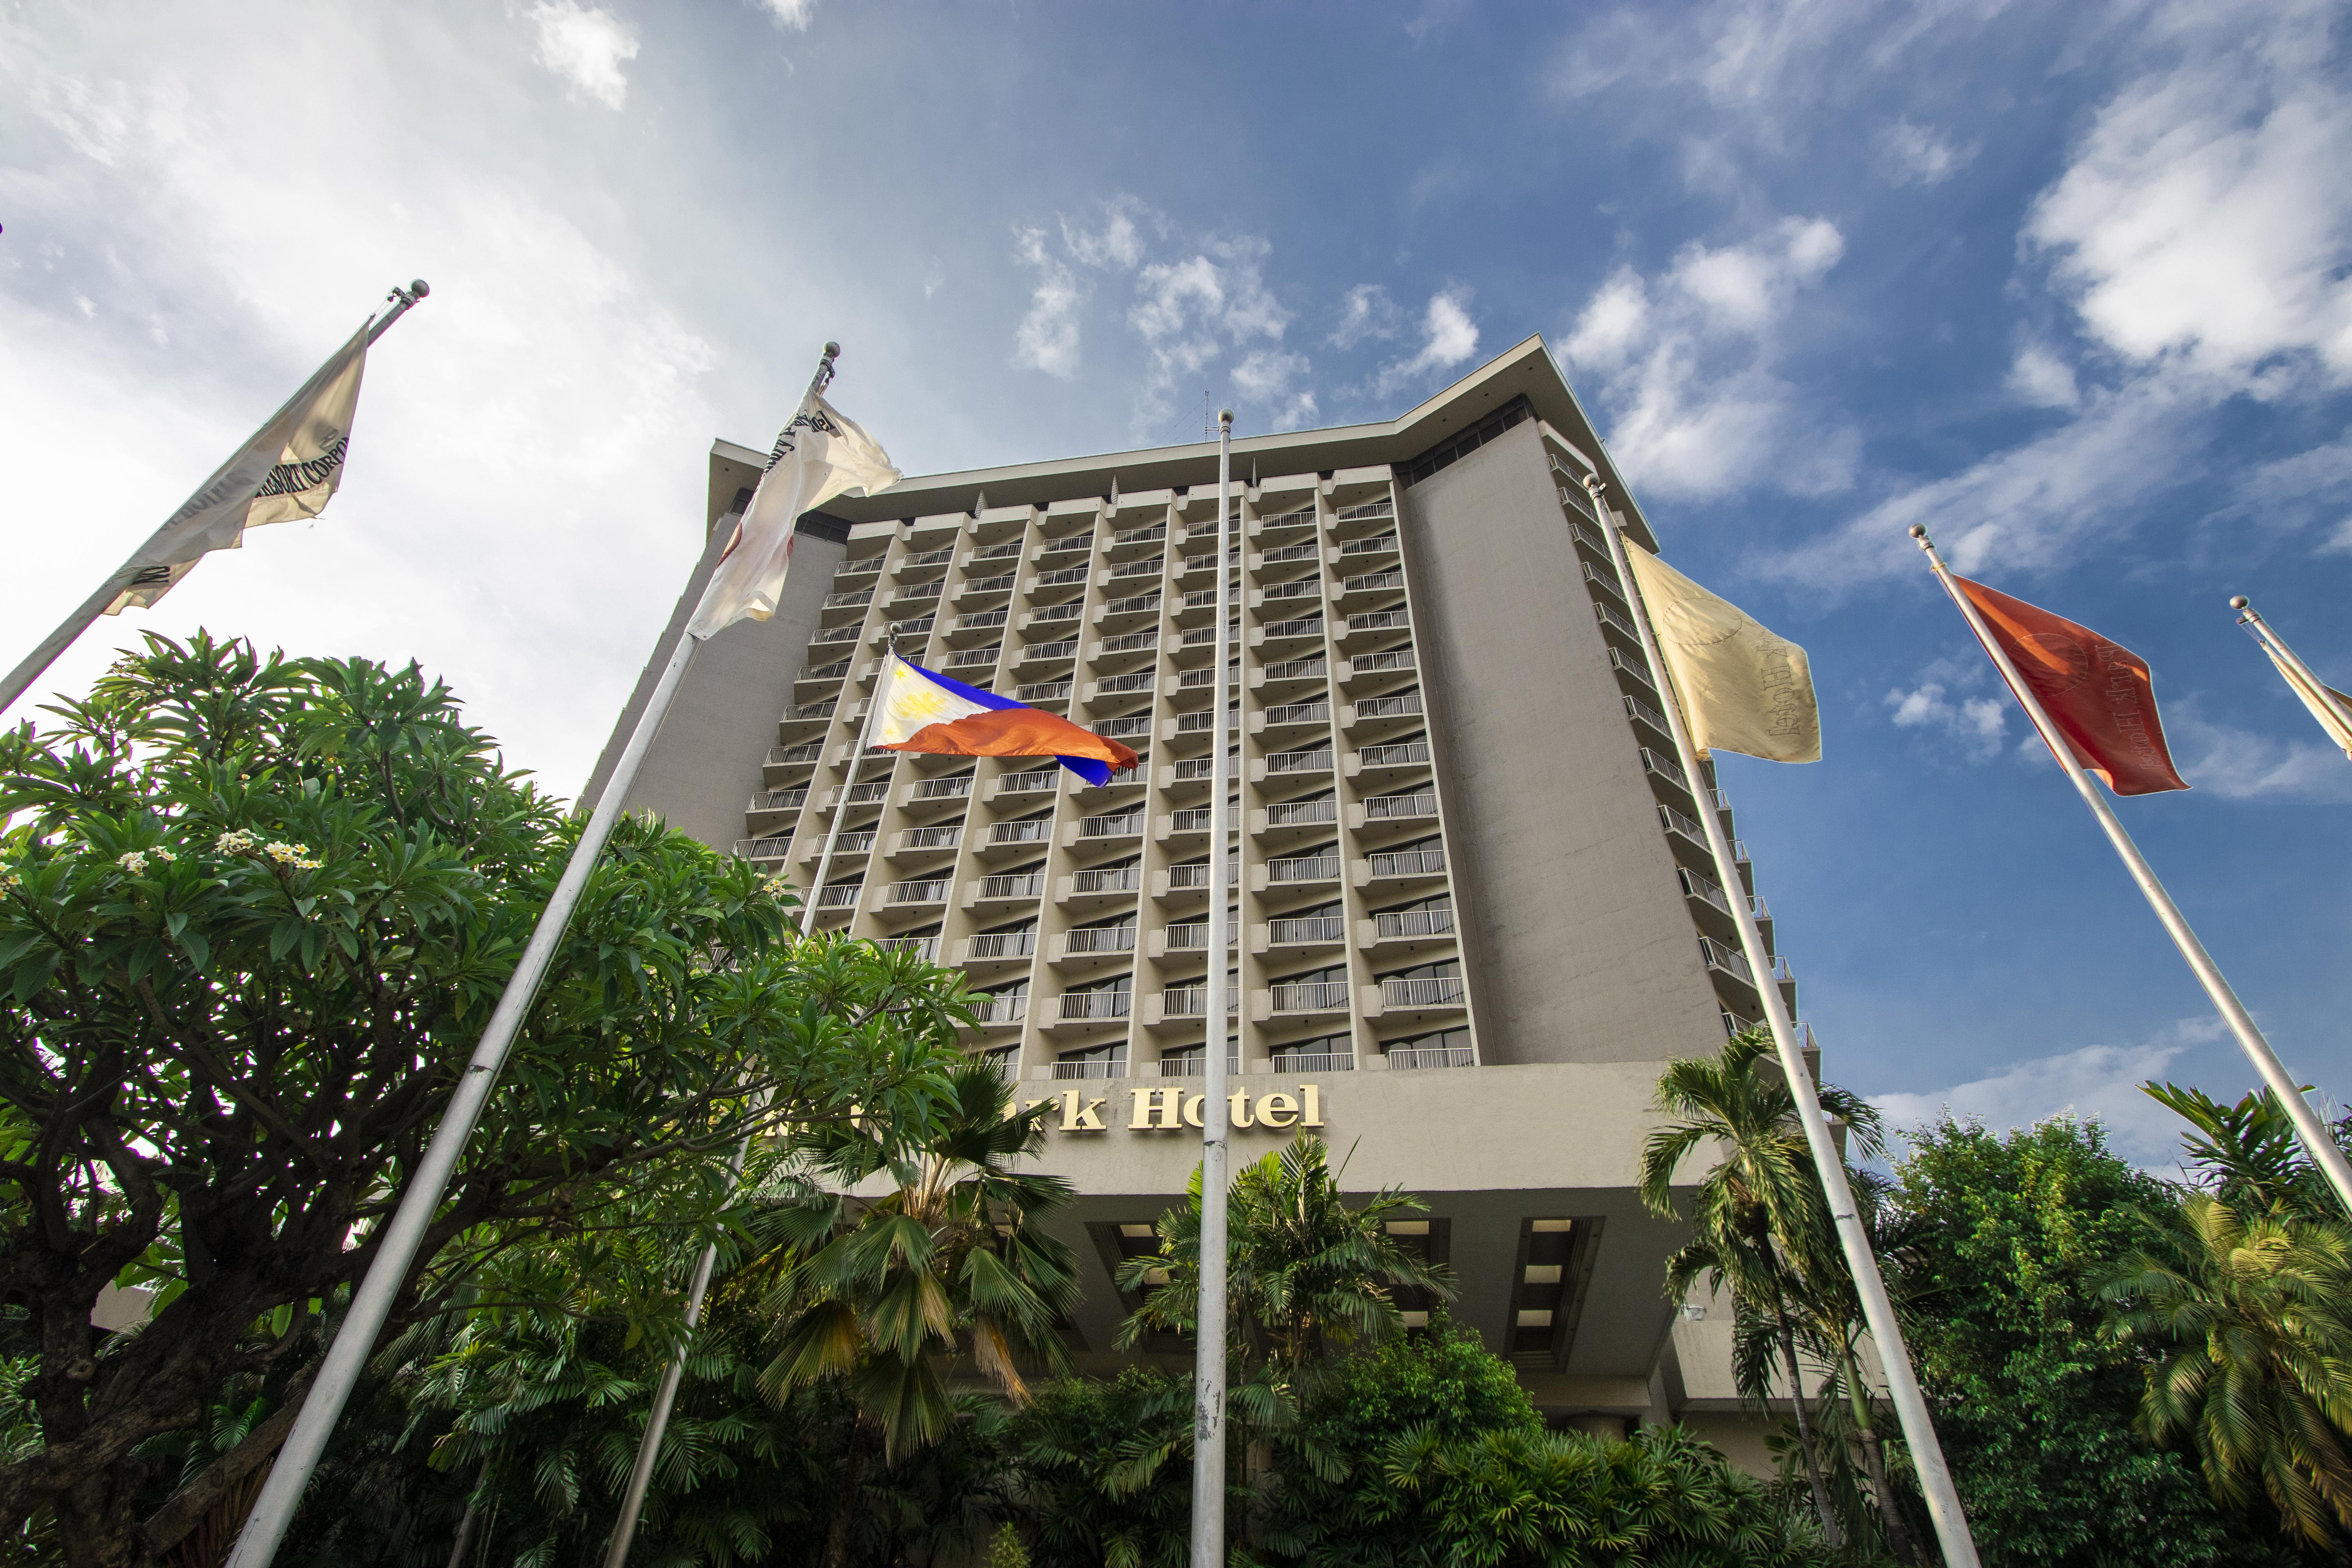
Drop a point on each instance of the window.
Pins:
(1435, 901)
(1329, 973)
(1115, 922)
(1517, 411)
(1010, 928)
(1456, 1039)
(1440, 969)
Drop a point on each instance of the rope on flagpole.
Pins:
(404, 1233)
(2316, 1143)
(1944, 1508)
(85, 615)
(1208, 1325)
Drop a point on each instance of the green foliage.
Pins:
(253, 915)
(1308, 1275)
(1105, 1472)
(2011, 1236)
(1004, 1548)
(2249, 1154)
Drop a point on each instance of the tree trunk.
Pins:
(471, 1522)
(1830, 1529)
(1890, 1507)
(852, 1481)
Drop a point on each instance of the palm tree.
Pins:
(2255, 1354)
(882, 1295)
(1308, 1274)
(2249, 1154)
(1760, 1221)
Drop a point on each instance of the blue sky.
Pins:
(2071, 284)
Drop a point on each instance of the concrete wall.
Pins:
(1579, 943)
(705, 763)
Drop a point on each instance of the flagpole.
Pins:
(1943, 1498)
(1209, 1337)
(2315, 1139)
(379, 1288)
(30, 668)
(2276, 646)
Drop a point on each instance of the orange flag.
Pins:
(2098, 693)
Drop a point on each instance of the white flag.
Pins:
(2322, 701)
(821, 454)
(1742, 688)
(288, 471)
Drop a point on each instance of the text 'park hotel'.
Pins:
(1472, 912)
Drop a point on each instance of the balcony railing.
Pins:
(1047, 652)
(1004, 944)
(1297, 588)
(840, 896)
(1020, 832)
(857, 567)
(1400, 807)
(866, 794)
(1102, 939)
(1380, 663)
(1307, 929)
(1198, 876)
(1307, 550)
(1008, 551)
(1379, 621)
(1377, 544)
(856, 843)
(1444, 991)
(1665, 769)
(1298, 668)
(807, 712)
(1402, 753)
(1138, 680)
(1317, 713)
(1093, 1067)
(1717, 956)
(761, 848)
(1070, 542)
(1405, 707)
(1313, 996)
(1133, 604)
(1313, 1061)
(1193, 936)
(939, 557)
(1207, 675)
(975, 657)
(1367, 511)
(1055, 578)
(931, 890)
(1610, 616)
(1083, 1005)
(1619, 662)
(1068, 610)
(1206, 719)
(848, 632)
(1198, 599)
(1304, 627)
(850, 598)
(1001, 1009)
(1029, 781)
(1296, 813)
(920, 626)
(832, 671)
(926, 946)
(1316, 760)
(1131, 642)
(1107, 880)
(1000, 584)
(1124, 825)
(1015, 885)
(980, 620)
(1409, 863)
(785, 756)
(1193, 1002)
(1413, 923)
(1194, 1063)
(1042, 691)
(1126, 724)
(1637, 709)
(779, 799)
(953, 788)
(1150, 568)
(1300, 518)
(919, 593)
(1367, 582)
(1202, 636)
(934, 838)
(1303, 869)
(1140, 535)
(1430, 1056)
(1698, 886)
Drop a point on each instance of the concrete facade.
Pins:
(1474, 913)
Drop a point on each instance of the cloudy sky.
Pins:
(2071, 284)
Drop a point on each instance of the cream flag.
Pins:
(2326, 704)
(1742, 689)
(288, 471)
(822, 454)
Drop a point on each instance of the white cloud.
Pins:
(1268, 377)
(1448, 336)
(1188, 311)
(2203, 216)
(795, 14)
(2290, 763)
(586, 45)
(1915, 155)
(1047, 337)
(1367, 312)
(1942, 702)
(2041, 379)
(1118, 242)
(2096, 1081)
(1686, 361)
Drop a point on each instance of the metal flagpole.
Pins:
(85, 615)
(1209, 1352)
(641, 1474)
(1877, 1311)
(2315, 1139)
(2276, 646)
(372, 1301)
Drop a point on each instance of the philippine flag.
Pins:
(917, 709)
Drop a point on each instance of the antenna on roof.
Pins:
(1208, 419)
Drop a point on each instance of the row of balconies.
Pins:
(1181, 1007)
(1112, 885)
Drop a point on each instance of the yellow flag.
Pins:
(1742, 689)
(2316, 699)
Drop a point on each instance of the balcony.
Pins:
(1066, 613)
(1401, 863)
(1301, 813)
(761, 848)
(979, 623)
(1022, 886)
(1371, 511)
(927, 558)
(1099, 941)
(811, 712)
(1640, 712)
(1048, 652)
(1122, 685)
(1126, 538)
(956, 786)
(1284, 522)
(1205, 678)
(1008, 551)
(1377, 544)
(1413, 925)
(1281, 596)
(1129, 642)
(1442, 992)
(870, 792)
(1031, 781)
(1382, 759)
(1094, 1007)
(1375, 714)
(927, 840)
(1316, 760)
(1420, 1056)
(1311, 1061)
(975, 660)
(1393, 661)
(830, 637)
(1314, 997)
(822, 672)
(984, 588)
(840, 896)
(1206, 636)
(845, 845)
(777, 800)
(1151, 567)
(857, 567)
(1289, 714)
(1310, 930)
(1133, 604)
(1303, 869)
(1297, 671)
(997, 947)
(1373, 621)
(1090, 1065)
(1017, 835)
(1120, 825)
(1061, 577)
(916, 595)
(1193, 1002)
(1305, 550)
(1038, 691)
(1201, 722)
(1194, 1063)
(1417, 806)
(1109, 880)
(1286, 631)
(1632, 668)
(931, 890)
(1124, 726)
(1618, 622)
(1066, 543)
(926, 948)
(1195, 879)
(997, 1012)
(1661, 767)
(848, 599)
(804, 754)
(1391, 581)
(1192, 937)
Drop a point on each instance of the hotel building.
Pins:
(1474, 912)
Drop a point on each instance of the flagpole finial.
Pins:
(832, 350)
(2239, 601)
(1225, 417)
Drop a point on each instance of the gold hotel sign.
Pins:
(1170, 1109)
